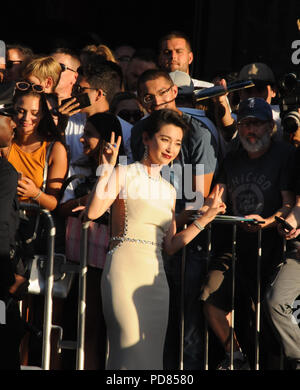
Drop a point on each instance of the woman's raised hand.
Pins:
(110, 151)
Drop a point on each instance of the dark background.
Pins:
(225, 34)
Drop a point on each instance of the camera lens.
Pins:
(290, 81)
(291, 122)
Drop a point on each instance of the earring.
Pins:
(146, 153)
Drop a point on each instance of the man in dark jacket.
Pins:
(11, 330)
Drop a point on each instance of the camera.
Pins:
(289, 102)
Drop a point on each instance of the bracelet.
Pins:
(38, 195)
(197, 224)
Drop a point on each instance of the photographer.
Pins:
(264, 87)
(289, 103)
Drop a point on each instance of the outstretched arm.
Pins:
(175, 241)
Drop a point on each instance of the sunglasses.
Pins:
(78, 89)
(65, 67)
(136, 115)
(25, 85)
(10, 64)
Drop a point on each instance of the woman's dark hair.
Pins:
(46, 128)
(105, 123)
(120, 97)
(159, 118)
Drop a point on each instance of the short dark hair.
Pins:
(162, 117)
(175, 34)
(103, 74)
(66, 50)
(25, 50)
(152, 74)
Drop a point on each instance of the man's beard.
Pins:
(260, 144)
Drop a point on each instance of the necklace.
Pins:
(154, 178)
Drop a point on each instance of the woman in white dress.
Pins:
(134, 285)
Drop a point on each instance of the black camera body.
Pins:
(289, 102)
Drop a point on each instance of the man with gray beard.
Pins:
(257, 181)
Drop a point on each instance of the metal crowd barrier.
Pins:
(234, 221)
(81, 269)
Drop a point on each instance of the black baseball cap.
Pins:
(254, 108)
(7, 110)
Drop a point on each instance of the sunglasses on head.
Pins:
(136, 115)
(25, 85)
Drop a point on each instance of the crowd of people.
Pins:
(123, 138)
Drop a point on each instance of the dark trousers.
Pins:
(11, 333)
(217, 289)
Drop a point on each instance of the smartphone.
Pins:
(82, 98)
(286, 226)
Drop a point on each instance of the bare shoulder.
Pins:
(57, 147)
(58, 151)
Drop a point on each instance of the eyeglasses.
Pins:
(25, 85)
(149, 98)
(136, 115)
(10, 64)
(65, 67)
(77, 89)
(251, 122)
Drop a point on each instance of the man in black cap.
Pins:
(11, 326)
(265, 87)
(257, 182)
